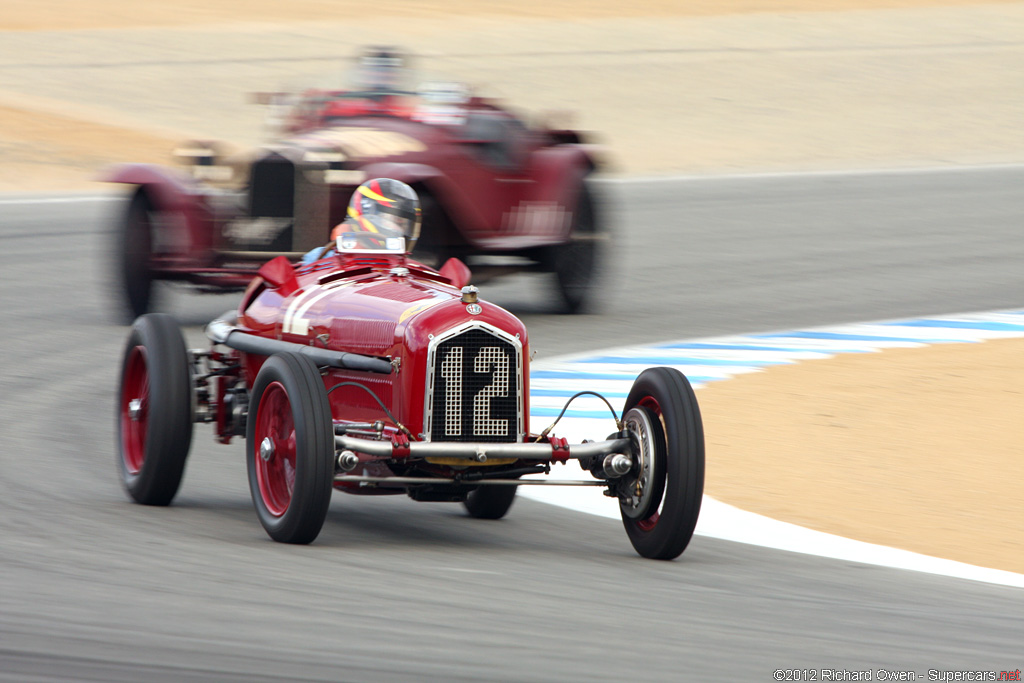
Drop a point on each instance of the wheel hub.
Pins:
(135, 409)
(635, 493)
(267, 449)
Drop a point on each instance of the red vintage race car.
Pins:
(497, 194)
(369, 373)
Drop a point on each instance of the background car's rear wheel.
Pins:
(490, 502)
(154, 410)
(575, 264)
(136, 252)
(660, 502)
(439, 240)
(290, 448)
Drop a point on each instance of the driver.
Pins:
(383, 217)
(381, 70)
(378, 84)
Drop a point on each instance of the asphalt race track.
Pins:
(94, 588)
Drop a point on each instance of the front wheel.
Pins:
(660, 500)
(154, 410)
(289, 448)
(490, 502)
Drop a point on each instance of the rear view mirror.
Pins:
(279, 274)
(457, 272)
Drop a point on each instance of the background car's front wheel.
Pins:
(660, 501)
(290, 448)
(135, 248)
(154, 410)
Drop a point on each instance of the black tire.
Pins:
(135, 249)
(660, 521)
(576, 263)
(438, 240)
(154, 410)
(289, 406)
(490, 502)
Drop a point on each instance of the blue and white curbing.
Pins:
(611, 372)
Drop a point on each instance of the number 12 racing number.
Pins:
(473, 387)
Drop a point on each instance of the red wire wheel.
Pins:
(660, 500)
(275, 432)
(290, 448)
(154, 410)
(134, 411)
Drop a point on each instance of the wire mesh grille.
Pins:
(476, 389)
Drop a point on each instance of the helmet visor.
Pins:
(369, 243)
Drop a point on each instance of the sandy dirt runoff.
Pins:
(913, 448)
(45, 15)
(908, 448)
(669, 87)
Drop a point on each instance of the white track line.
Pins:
(29, 201)
(823, 173)
(714, 359)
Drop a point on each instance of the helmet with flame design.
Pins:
(383, 215)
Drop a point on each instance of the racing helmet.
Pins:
(383, 216)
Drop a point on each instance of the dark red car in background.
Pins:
(496, 193)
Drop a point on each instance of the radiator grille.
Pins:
(476, 389)
(272, 203)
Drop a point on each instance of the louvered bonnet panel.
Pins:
(372, 337)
